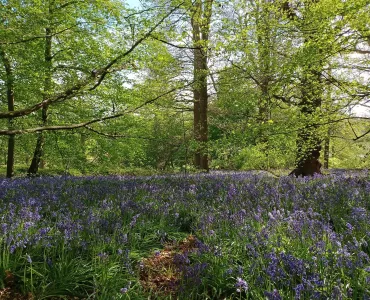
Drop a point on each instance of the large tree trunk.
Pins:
(200, 25)
(39, 148)
(308, 140)
(10, 100)
(308, 153)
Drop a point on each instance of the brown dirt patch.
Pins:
(160, 273)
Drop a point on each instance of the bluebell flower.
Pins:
(103, 255)
(298, 291)
(229, 271)
(29, 259)
(336, 294)
(274, 295)
(241, 285)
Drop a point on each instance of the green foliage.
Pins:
(263, 84)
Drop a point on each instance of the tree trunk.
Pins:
(200, 25)
(196, 91)
(10, 100)
(10, 160)
(308, 141)
(326, 151)
(308, 153)
(39, 149)
(264, 39)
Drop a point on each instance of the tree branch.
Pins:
(362, 135)
(96, 75)
(84, 124)
(173, 45)
(30, 39)
(103, 72)
(117, 136)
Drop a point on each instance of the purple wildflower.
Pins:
(274, 295)
(29, 259)
(241, 285)
(298, 291)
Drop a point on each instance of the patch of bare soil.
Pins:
(9, 293)
(161, 273)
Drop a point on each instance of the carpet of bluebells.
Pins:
(257, 237)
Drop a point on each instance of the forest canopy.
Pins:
(101, 87)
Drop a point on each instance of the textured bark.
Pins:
(200, 25)
(10, 99)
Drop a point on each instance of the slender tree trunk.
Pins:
(40, 143)
(328, 133)
(200, 25)
(203, 111)
(10, 100)
(10, 160)
(264, 40)
(326, 151)
(197, 68)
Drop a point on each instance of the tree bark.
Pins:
(308, 141)
(196, 90)
(40, 143)
(10, 99)
(265, 43)
(326, 151)
(200, 25)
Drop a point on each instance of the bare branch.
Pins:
(117, 136)
(362, 135)
(81, 69)
(362, 51)
(353, 130)
(173, 45)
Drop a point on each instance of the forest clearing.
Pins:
(146, 148)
